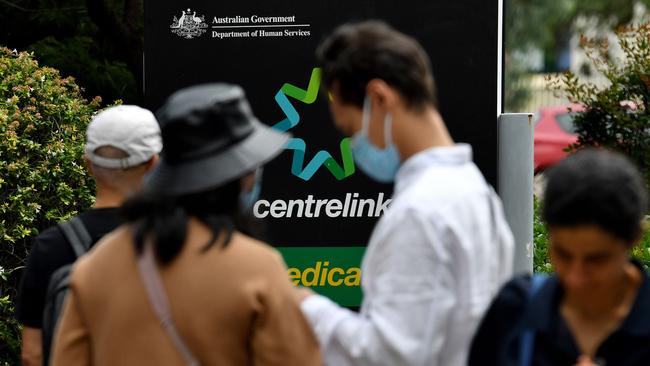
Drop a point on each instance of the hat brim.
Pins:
(263, 144)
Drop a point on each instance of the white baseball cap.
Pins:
(126, 127)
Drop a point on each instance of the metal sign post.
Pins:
(516, 183)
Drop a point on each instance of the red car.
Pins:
(554, 132)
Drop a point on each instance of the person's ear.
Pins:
(151, 163)
(383, 96)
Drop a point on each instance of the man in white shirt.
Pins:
(442, 250)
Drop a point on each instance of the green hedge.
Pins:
(43, 119)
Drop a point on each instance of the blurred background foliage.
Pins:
(542, 37)
(98, 42)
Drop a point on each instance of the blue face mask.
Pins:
(379, 164)
(248, 199)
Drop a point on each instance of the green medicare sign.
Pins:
(333, 272)
(318, 208)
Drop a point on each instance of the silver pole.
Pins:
(515, 183)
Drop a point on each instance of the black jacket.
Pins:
(497, 340)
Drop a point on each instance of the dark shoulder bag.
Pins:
(80, 240)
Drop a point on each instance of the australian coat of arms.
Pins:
(189, 25)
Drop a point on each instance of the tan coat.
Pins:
(232, 306)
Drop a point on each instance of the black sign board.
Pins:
(319, 209)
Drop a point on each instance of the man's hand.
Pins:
(301, 293)
(32, 353)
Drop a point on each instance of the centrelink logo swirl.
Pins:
(298, 145)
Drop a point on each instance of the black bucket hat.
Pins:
(210, 137)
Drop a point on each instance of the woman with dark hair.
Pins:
(595, 308)
(180, 283)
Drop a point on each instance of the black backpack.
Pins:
(80, 240)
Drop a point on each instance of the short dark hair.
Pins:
(596, 187)
(356, 53)
(166, 217)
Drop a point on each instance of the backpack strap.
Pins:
(527, 341)
(77, 235)
(159, 302)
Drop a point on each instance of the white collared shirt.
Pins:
(434, 262)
